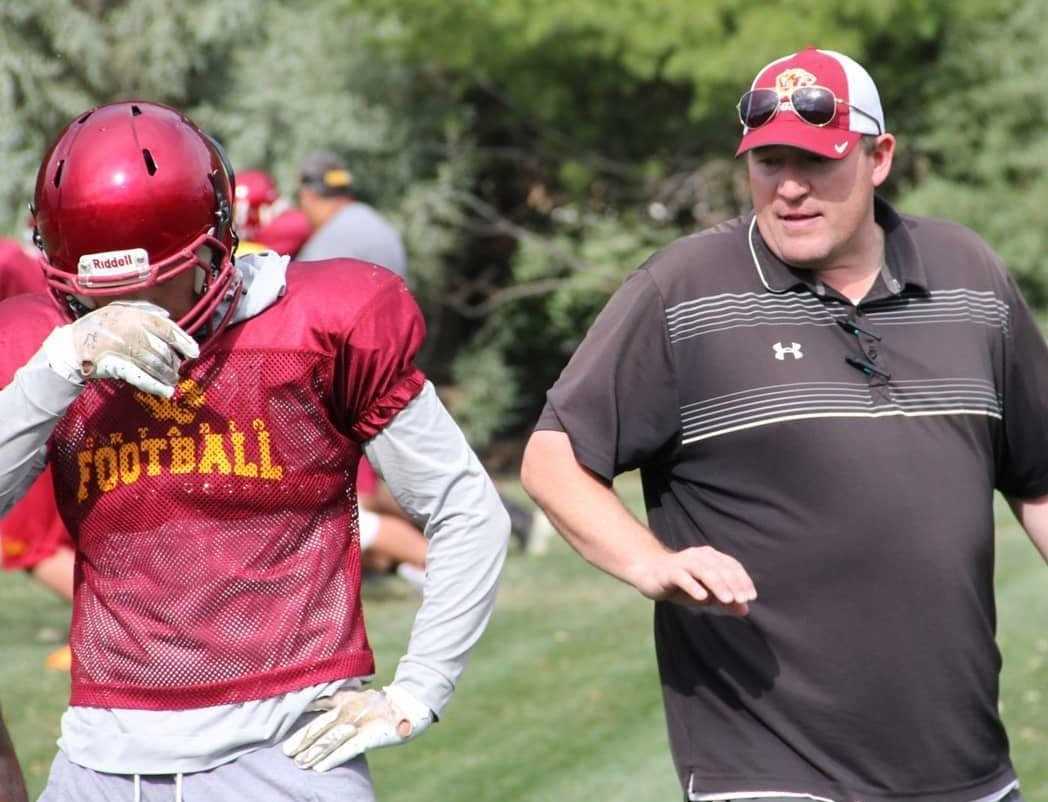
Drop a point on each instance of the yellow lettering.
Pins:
(183, 454)
(267, 470)
(107, 475)
(214, 455)
(241, 467)
(130, 463)
(153, 446)
(84, 460)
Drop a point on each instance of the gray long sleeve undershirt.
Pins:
(438, 481)
(30, 407)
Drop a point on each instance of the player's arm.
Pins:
(440, 484)
(12, 786)
(133, 342)
(1033, 515)
(592, 518)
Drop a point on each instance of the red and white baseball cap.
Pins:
(848, 81)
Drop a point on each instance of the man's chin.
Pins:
(798, 256)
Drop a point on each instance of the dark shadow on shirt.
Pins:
(728, 655)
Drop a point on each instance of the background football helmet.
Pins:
(129, 196)
(256, 202)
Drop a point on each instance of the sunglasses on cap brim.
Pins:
(815, 105)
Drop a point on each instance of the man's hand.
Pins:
(133, 341)
(354, 722)
(696, 576)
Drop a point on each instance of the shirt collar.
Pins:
(903, 265)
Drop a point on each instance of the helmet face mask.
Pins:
(130, 195)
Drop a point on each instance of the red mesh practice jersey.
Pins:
(218, 557)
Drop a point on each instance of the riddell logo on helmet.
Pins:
(113, 266)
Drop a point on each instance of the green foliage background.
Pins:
(535, 152)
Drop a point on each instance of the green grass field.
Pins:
(561, 702)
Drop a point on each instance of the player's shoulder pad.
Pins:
(333, 295)
(344, 279)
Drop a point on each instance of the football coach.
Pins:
(821, 397)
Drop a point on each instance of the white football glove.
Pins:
(134, 341)
(354, 722)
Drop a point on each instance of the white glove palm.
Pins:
(130, 340)
(354, 722)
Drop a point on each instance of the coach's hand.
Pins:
(130, 340)
(696, 576)
(354, 722)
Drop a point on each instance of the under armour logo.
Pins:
(781, 351)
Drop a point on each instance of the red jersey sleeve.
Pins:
(376, 375)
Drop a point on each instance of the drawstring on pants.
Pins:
(178, 787)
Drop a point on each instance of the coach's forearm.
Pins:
(585, 510)
(30, 406)
(12, 786)
(1033, 515)
(595, 522)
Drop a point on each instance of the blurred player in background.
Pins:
(19, 270)
(265, 220)
(204, 421)
(32, 536)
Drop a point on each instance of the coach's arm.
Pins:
(1033, 515)
(591, 517)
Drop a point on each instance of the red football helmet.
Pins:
(129, 196)
(257, 202)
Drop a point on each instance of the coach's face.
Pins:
(817, 213)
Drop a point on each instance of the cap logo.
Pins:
(113, 267)
(337, 178)
(788, 80)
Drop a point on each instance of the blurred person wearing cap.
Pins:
(265, 221)
(821, 396)
(12, 786)
(344, 226)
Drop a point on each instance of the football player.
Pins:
(264, 220)
(204, 420)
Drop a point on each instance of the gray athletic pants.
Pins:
(263, 775)
(1014, 796)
